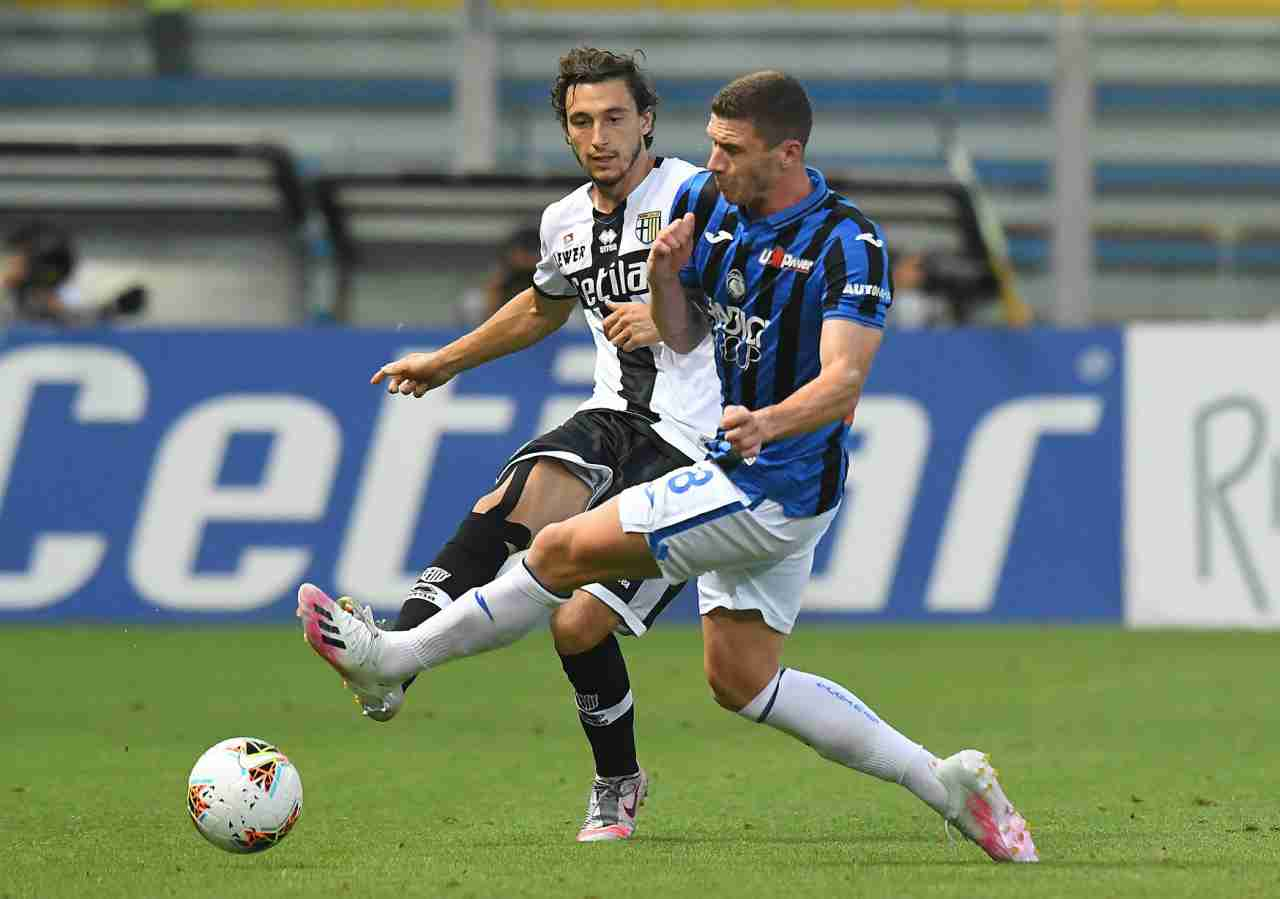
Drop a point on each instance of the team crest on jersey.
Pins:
(736, 284)
(648, 224)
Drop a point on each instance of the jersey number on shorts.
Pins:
(681, 481)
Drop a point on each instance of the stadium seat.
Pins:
(1258, 249)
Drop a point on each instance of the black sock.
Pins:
(470, 559)
(605, 707)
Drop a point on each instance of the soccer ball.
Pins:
(244, 795)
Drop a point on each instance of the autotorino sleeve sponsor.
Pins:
(855, 274)
(548, 280)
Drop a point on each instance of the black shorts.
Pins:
(611, 451)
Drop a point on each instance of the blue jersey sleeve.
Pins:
(687, 200)
(854, 279)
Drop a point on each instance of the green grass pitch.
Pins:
(1146, 763)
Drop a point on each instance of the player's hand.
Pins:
(413, 374)
(629, 326)
(672, 247)
(744, 430)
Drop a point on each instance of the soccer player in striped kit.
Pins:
(792, 282)
(649, 413)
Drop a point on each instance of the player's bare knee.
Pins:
(554, 555)
(570, 628)
(543, 549)
(535, 493)
(581, 624)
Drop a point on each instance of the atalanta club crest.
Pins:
(736, 284)
(648, 224)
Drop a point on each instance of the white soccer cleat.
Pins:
(978, 806)
(612, 807)
(345, 635)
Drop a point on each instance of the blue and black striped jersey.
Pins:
(768, 285)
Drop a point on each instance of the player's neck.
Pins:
(608, 197)
(791, 188)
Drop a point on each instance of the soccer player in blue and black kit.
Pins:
(792, 281)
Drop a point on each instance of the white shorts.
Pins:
(698, 522)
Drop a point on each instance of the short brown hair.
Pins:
(590, 65)
(774, 102)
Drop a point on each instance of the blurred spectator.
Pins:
(37, 275)
(939, 288)
(169, 34)
(913, 306)
(517, 258)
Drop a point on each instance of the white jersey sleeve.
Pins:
(548, 280)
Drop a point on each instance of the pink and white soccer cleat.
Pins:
(612, 807)
(978, 806)
(345, 635)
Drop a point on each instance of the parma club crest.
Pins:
(648, 224)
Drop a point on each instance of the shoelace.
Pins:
(600, 790)
(364, 613)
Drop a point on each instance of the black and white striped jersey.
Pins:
(596, 258)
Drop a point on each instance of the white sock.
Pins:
(837, 724)
(489, 617)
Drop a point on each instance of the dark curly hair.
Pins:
(591, 65)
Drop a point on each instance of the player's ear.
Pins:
(792, 153)
(646, 130)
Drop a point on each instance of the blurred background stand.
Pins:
(1124, 150)
(169, 33)
(403, 238)
(214, 226)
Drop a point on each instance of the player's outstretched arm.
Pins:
(524, 320)
(680, 325)
(846, 351)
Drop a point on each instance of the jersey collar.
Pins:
(785, 216)
(621, 207)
